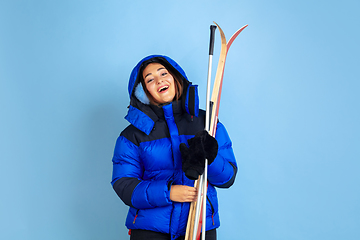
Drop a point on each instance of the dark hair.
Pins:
(178, 78)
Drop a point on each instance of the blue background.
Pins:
(290, 103)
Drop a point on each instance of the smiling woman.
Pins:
(160, 82)
(152, 174)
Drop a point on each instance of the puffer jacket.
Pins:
(147, 160)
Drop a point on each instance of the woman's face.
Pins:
(159, 82)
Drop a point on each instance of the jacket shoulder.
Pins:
(136, 136)
(133, 134)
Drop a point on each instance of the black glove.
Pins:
(200, 147)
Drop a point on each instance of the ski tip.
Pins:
(243, 27)
(217, 25)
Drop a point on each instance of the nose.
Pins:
(159, 80)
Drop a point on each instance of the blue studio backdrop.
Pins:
(290, 104)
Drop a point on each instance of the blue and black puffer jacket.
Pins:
(147, 160)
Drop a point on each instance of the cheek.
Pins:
(172, 81)
(150, 88)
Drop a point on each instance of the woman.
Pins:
(158, 156)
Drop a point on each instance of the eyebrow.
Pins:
(157, 70)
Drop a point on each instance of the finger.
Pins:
(192, 189)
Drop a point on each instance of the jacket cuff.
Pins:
(220, 172)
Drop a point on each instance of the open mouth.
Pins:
(164, 88)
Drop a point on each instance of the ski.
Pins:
(216, 94)
(195, 208)
(198, 208)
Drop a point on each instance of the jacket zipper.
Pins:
(137, 211)
(212, 210)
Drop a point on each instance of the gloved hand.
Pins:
(200, 147)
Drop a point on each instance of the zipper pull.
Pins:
(136, 216)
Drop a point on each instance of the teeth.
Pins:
(163, 88)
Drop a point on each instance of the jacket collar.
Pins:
(146, 121)
(177, 110)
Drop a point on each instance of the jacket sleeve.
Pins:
(127, 179)
(222, 171)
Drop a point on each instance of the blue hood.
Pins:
(141, 115)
